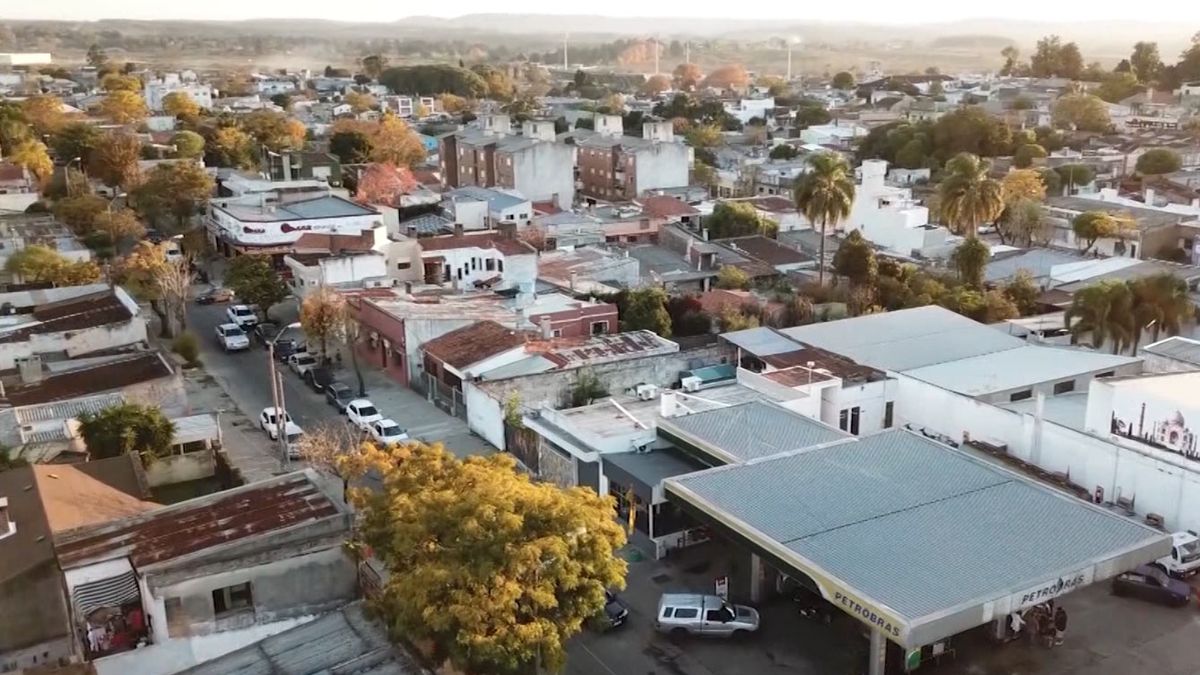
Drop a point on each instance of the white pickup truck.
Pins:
(1184, 560)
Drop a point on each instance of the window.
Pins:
(474, 263)
(599, 327)
(1020, 395)
(403, 265)
(844, 420)
(888, 409)
(1064, 387)
(232, 599)
(714, 615)
(1108, 374)
(500, 265)
(686, 612)
(490, 264)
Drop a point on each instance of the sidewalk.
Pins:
(246, 447)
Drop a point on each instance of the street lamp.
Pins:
(277, 395)
(67, 173)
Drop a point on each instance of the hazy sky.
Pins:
(871, 11)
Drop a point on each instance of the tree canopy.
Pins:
(855, 260)
(177, 189)
(1084, 112)
(843, 80)
(41, 264)
(254, 280)
(127, 429)
(1159, 161)
(1054, 58)
(645, 309)
(737, 219)
(499, 570)
(1025, 155)
(434, 78)
(969, 197)
(825, 195)
(124, 107)
(1091, 226)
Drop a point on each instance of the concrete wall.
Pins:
(485, 400)
(870, 397)
(1158, 481)
(662, 165)
(1082, 382)
(403, 261)
(75, 343)
(33, 627)
(546, 172)
(181, 468)
(286, 593)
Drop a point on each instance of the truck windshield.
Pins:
(1190, 549)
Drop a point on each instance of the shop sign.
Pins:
(868, 615)
(722, 589)
(1050, 590)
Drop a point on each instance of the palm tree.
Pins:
(824, 195)
(969, 197)
(1104, 311)
(1160, 303)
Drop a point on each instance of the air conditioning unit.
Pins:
(647, 392)
(691, 383)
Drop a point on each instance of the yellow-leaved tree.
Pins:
(492, 569)
(321, 316)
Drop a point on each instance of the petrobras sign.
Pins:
(1049, 590)
(874, 617)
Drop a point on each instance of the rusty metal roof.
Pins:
(201, 524)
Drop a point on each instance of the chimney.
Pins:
(458, 229)
(1149, 197)
(547, 331)
(6, 524)
(30, 368)
(574, 277)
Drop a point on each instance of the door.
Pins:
(713, 621)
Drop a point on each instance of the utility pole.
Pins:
(566, 63)
(656, 70)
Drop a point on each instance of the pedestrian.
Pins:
(1016, 622)
(1060, 625)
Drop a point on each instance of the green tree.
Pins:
(587, 389)
(1011, 54)
(972, 130)
(738, 318)
(969, 197)
(75, 140)
(188, 144)
(1159, 161)
(254, 280)
(177, 189)
(1145, 61)
(426, 79)
(127, 429)
(1091, 226)
(970, 261)
(351, 147)
(824, 195)
(282, 100)
(1115, 87)
(732, 278)
(784, 151)
(96, 56)
(855, 260)
(374, 65)
(1022, 223)
(1023, 292)
(117, 82)
(40, 264)
(1104, 312)
(1160, 303)
(738, 219)
(1083, 112)
(1073, 175)
(1053, 58)
(80, 211)
(43, 113)
(232, 147)
(912, 155)
(646, 309)
(1024, 156)
(843, 80)
(187, 346)
(521, 566)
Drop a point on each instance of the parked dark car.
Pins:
(318, 378)
(284, 347)
(338, 395)
(615, 611)
(1152, 585)
(265, 332)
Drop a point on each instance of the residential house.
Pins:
(560, 315)
(1153, 231)
(476, 208)
(747, 109)
(355, 269)
(268, 85)
(407, 106)
(296, 165)
(162, 591)
(782, 211)
(588, 270)
(838, 135)
(533, 163)
(37, 503)
(469, 352)
(19, 231)
(888, 216)
(615, 167)
(778, 256)
(139, 376)
(155, 91)
(16, 180)
(69, 322)
(482, 260)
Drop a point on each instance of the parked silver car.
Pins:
(683, 613)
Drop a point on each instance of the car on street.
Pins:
(284, 348)
(265, 332)
(301, 363)
(362, 413)
(615, 611)
(232, 338)
(1151, 584)
(318, 377)
(242, 315)
(338, 395)
(682, 614)
(386, 432)
(214, 295)
(268, 421)
(294, 434)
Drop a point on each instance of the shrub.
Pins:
(188, 347)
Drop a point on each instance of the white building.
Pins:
(341, 271)
(157, 90)
(839, 135)
(748, 108)
(270, 86)
(408, 106)
(477, 208)
(888, 216)
(484, 260)
(75, 321)
(490, 156)
(274, 222)
(25, 59)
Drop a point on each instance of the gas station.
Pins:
(916, 540)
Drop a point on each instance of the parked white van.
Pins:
(681, 613)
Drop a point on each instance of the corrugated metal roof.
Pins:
(1016, 368)
(203, 523)
(63, 410)
(751, 430)
(345, 641)
(762, 341)
(905, 339)
(915, 526)
(1178, 348)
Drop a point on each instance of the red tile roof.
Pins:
(474, 343)
(200, 524)
(774, 204)
(334, 243)
(547, 208)
(662, 206)
(11, 172)
(480, 240)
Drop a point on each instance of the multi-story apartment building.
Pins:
(616, 167)
(490, 155)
